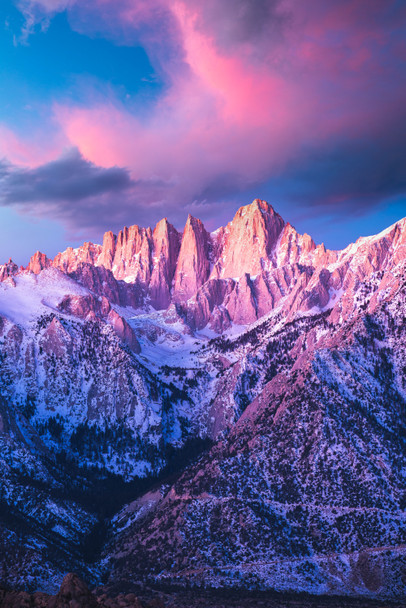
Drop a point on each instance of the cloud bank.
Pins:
(306, 97)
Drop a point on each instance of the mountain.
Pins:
(281, 363)
(307, 491)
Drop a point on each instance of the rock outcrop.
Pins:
(91, 308)
(248, 241)
(38, 262)
(8, 270)
(193, 265)
(70, 259)
(73, 591)
(166, 241)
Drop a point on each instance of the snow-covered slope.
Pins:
(83, 389)
(121, 361)
(42, 527)
(308, 490)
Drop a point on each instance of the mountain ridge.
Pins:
(236, 274)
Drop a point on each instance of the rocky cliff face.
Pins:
(121, 359)
(236, 275)
(193, 265)
(248, 241)
(8, 270)
(166, 244)
(69, 260)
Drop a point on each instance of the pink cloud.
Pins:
(222, 115)
(30, 150)
(243, 110)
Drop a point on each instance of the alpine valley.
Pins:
(200, 410)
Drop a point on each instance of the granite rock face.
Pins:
(248, 241)
(193, 265)
(166, 245)
(38, 262)
(8, 270)
(257, 262)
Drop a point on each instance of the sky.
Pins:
(121, 112)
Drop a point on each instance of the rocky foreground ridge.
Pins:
(74, 593)
(224, 409)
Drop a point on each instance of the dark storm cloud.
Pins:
(69, 179)
(70, 188)
(349, 174)
(237, 21)
(86, 198)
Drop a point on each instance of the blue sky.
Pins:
(56, 62)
